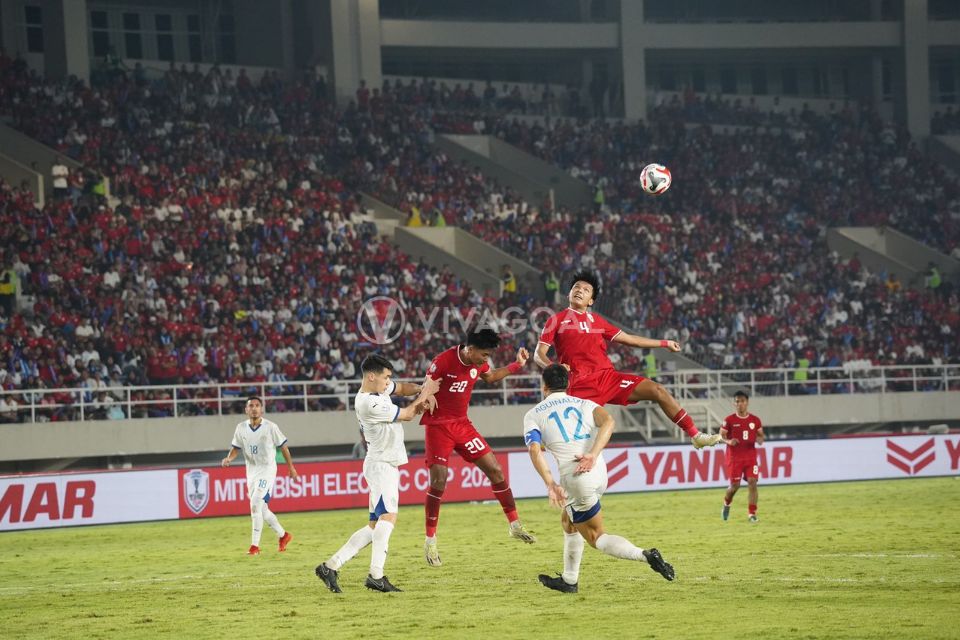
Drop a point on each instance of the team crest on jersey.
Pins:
(590, 317)
(473, 373)
(753, 426)
(433, 367)
(196, 490)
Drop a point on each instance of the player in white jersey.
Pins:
(259, 440)
(575, 431)
(382, 435)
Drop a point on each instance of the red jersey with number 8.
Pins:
(456, 385)
(745, 430)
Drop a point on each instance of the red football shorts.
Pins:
(739, 467)
(607, 386)
(457, 435)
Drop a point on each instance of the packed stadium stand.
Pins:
(235, 219)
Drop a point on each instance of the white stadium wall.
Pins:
(55, 440)
(58, 500)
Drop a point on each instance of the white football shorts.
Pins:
(383, 479)
(584, 490)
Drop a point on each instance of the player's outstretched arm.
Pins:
(285, 450)
(555, 493)
(645, 343)
(605, 425)
(514, 367)
(408, 388)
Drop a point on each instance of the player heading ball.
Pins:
(580, 338)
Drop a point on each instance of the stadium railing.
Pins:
(182, 400)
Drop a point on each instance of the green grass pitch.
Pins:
(851, 560)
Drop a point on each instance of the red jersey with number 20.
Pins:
(580, 339)
(456, 384)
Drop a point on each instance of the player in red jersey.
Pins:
(741, 432)
(448, 429)
(580, 339)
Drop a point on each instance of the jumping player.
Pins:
(448, 429)
(575, 431)
(580, 339)
(742, 432)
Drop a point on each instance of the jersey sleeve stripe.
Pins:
(614, 336)
(236, 447)
(282, 443)
(549, 344)
(396, 415)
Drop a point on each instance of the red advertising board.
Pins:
(216, 491)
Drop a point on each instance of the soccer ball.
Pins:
(655, 179)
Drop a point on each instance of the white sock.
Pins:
(270, 518)
(381, 540)
(257, 516)
(572, 553)
(619, 547)
(360, 539)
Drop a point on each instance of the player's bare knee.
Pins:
(438, 477)
(661, 393)
(495, 475)
(590, 535)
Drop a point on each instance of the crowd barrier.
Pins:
(68, 499)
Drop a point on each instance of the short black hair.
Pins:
(257, 398)
(591, 279)
(375, 363)
(556, 378)
(483, 339)
(741, 394)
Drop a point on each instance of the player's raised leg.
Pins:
(501, 490)
(591, 528)
(652, 392)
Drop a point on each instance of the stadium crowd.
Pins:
(231, 254)
(237, 249)
(735, 263)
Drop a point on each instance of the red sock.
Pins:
(431, 507)
(727, 503)
(685, 422)
(752, 509)
(503, 493)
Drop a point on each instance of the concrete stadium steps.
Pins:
(885, 248)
